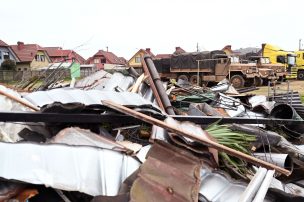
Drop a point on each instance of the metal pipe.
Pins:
(285, 111)
(159, 85)
(197, 82)
(282, 160)
(152, 85)
(264, 187)
(253, 186)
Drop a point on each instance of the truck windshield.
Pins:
(235, 60)
(265, 61)
(291, 60)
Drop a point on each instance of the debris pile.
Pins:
(130, 137)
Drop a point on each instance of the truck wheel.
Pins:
(300, 75)
(250, 82)
(237, 81)
(193, 80)
(183, 77)
(258, 81)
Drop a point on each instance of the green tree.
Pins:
(8, 64)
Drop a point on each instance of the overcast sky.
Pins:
(128, 25)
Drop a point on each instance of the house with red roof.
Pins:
(30, 56)
(101, 58)
(135, 60)
(6, 52)
(57, 54)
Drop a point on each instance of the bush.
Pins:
(8, 65)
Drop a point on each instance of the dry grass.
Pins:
(296, 86)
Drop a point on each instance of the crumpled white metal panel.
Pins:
(73, 168)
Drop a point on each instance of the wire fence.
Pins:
(15, 76)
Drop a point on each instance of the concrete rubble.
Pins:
(127, 137)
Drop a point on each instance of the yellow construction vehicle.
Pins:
(278, 55)
(300, 64)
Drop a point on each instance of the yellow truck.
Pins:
(300, 64)
(278, 55)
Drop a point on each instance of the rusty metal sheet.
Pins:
(81, 137)
(168, 174)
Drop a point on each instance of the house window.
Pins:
(40, 58)
(96, 61)
(103, 60)
(303, 56)
(137, 59)
(6, 55)
(0, 55)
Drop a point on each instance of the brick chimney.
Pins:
(177, 48)
(20, 45)
(148, 50)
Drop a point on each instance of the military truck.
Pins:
(203, 67)
(268, 71)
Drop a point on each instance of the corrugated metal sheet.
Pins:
(217, 187)
(82, 137)
(89, 97)
(119, 80)
(152, 182)
(73, 168)
(94, 81)
(105, 81)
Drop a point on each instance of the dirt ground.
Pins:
(293, 85)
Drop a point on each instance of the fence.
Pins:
(11, 76)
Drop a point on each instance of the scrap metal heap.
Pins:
(129, 137)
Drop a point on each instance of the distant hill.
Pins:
(243, 51)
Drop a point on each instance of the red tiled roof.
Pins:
(110, 57)
(161, 56)
(27, 52)
(57, 52)
(2, 43)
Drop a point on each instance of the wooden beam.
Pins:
(19, 100)
(195, 137)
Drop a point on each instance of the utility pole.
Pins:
(300, 40)
(197, 47)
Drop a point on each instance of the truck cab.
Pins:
(300, 64)
(278, 55)
(269, 71)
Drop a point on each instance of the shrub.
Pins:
(8, 65)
